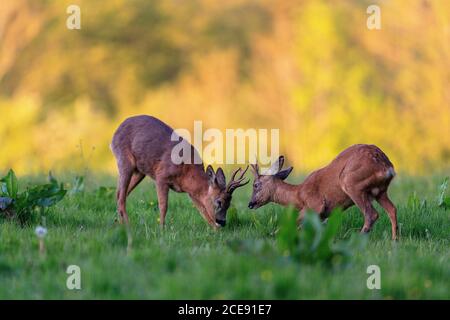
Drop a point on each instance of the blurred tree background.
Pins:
(308, 67)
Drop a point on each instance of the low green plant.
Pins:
(21, 205)
(78, 185)
(315, 242)
(443, 200)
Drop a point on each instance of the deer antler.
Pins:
(255, 169)
(234, 184)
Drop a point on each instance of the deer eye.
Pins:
(257, 185)
(218, 204)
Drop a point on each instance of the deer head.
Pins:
(219, 193)
(264, 184)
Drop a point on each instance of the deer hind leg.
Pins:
(136, 178)
(162, 190)
(126, 169)
(125, 174)
(364, 202)
(391, 210)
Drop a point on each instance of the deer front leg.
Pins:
(317, 207)
(205, 214)
(162, 190)
(301, 216)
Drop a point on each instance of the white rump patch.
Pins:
(375, 191)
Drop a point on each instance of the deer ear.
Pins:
(283, 174)
(280, 162)
(276, 166)
(220, 179)
(211, 175)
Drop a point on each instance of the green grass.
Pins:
(188, 260)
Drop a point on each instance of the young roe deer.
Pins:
(358, 175)
(143, 146)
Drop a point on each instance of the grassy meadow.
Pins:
(188, 260)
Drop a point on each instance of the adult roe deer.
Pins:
(358, 175)
(142, 146)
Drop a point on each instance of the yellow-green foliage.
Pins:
(310, 68)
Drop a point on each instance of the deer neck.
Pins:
(196, 184)
(286, 194)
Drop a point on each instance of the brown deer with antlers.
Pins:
(143, 146)
(358, 175)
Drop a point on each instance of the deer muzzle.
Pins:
(221, 223)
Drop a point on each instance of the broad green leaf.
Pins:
(10, 185)
(334, 221)
(51, 199)
(24, 203)
(3, 189)
(45, 195)
(333, 224)
(311, 230)
(288, 236)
